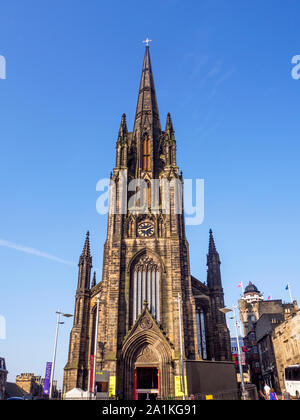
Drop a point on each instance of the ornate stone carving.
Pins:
(146, 263)
(146, 324)
(147, 355)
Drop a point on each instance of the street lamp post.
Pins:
(59, 314)
(181, 348)
(225, 311)
(239, 352)
(95, 346)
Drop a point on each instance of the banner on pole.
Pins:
(112, 386)
(178, 386)
(92, 373)
(47, 378)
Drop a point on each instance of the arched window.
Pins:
(145, 285)
(201, 332)
(146, 154)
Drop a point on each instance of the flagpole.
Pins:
(290, 293)
(241, 286)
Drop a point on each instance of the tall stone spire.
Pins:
(86, 253)
(147, 114)
(212, 247)
(94, 281)
(122, 144)
(80, 330)
(123, 127)
(221, 341)
(169, 125)
(213, 263)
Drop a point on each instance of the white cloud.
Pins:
(33, 251)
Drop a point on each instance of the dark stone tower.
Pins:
(221, 336)
(146, 257)
(76, 371)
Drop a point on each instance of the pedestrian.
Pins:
(267, 390)
(286, 395)
(262, 395)
(273, 395)
(192, 397)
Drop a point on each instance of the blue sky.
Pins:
(223, 70)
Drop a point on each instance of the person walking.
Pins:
(273, 395)
(267, 390)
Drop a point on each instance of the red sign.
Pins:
(92, 373)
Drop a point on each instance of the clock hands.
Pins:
(149, 231)
(146, 229)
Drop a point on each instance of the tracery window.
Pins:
(201, 332)
(145, 285)
(146, 154)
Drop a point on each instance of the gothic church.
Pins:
(145, 266)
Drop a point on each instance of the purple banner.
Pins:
(47, 378)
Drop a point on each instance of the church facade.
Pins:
(146, 268)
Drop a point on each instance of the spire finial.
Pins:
(123, 127)
(86, 249)
(169, 124)
(85, 257)
(94, 282)
(212, 246)
(147, 41)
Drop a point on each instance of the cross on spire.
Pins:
(147, 41)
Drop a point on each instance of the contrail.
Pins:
(34, 252)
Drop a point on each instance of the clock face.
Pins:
(146, 230)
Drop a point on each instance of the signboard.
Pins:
(112, 386)
(47, 378)
(102, 376)
(178, 386)
(102, 382)
(235, 359)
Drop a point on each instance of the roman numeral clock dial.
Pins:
(146, 230)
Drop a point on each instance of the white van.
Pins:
(292, 380)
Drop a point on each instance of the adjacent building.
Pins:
(30, 384)
(260, 318)
(264, 328)
(252, 358)
(252, 306)
(286, 344)
(33, 385)
(146, 281)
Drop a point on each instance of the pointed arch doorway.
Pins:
(146, 375)
(146, 359)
